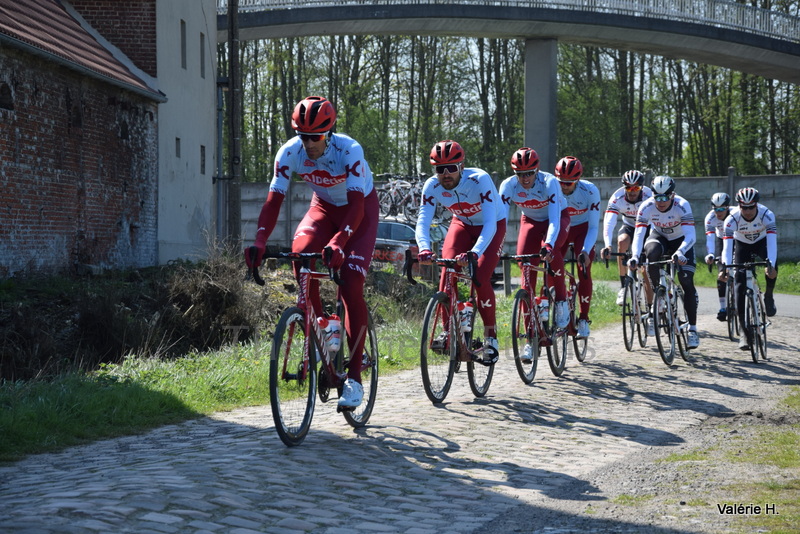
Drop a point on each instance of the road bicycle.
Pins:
(532, 320)
(302, 365)
(669, 314)
(400, 195)
(445, 344)
(755, 316)
(635, 311)
(579, 345)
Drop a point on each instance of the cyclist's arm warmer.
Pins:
(689, 238)
(710, 242)
(594, 221)
(425, 217)
(772, 248)
(355, 214)
(553, 213)
(609, 223)
(728, 240)
(638, 238)
(268, 217)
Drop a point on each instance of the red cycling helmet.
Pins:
(445, 152)
(313, 114)
(525, 160)
(569, 169)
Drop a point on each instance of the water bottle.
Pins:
(544, 308)
(332, 327)
(465, 309)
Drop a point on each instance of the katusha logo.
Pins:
(322, 178)
(465, 209)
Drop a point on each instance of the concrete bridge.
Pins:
(716, 32)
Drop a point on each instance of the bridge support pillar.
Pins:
(541, 61)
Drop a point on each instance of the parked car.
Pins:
(395, 237)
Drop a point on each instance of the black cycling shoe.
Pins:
(439, 345)
(769, 304)
(722, 315)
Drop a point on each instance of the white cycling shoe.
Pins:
(621, 296)
(527, 354)
(583, 329)
(352, 394)
(562, 314)
(692, 340)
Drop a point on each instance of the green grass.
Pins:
(631, 500)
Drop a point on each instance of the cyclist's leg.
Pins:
(721, 286)
(486, 266)
(311, 235)
(577, 234)
(653, 249)
(624, 240)
(457, 240)
(529, 241)
(558, 258)
(742, 252)
(760, 247)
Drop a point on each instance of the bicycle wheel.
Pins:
(438, 364)
(578, 345)
(641, 314)
(733, 316)
(662, 320)
(756, 333)
(292, 378)
(557, 355)
(682, 323)
(479, 375)
(411, 210)
(369, 378)
(762, 328)
(628, 317)
(523, 333)
(385, 203)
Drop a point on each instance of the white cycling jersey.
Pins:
(763, 225)
(713, 226)
(618, 205)
(340, 169)
(675, 223)
(474, 201)
(583, 205)
(544, 201)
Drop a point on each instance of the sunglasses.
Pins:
(720, 210)
(633, 188)
(314, 138)
(525, 174)
(661, 198)
(751, 207)
(441, 169)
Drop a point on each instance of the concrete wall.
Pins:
(779, 193)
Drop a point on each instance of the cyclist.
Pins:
(671, 223)
(720, 209)
(478, 225)
(625, 201)
(544, 223)
(750, 230)
(583, 205)
(342, 218)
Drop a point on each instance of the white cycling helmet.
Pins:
(747, 196)
(633, 177)
(719, 200)
(663, 185)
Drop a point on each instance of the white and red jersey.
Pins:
(713, 225)
(618, 205)
(583, 206)
(474, 201)
(736, 228)
(675, 223)
(340, 169)
(544, 201)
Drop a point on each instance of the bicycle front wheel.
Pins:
(292, 378)
(557, 355)
(628, 317)
(761, 335)
(662, 320)
(733, 316)
(681, 324)
(641, 314)
(523, 334)
(479, 375)
(369, 379)
(438, 349)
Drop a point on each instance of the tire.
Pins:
(369, 379)
(628, 317)
(438, 369)
(479, 375)
(557, 355)
(662, 320)
(411, 210)
(733, 316)
(522, 333)
(386, 203)
(762, 328)
(643, 314)
(755, 322)
(292, 393)
(682, 320)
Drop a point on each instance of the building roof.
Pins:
(52, 29)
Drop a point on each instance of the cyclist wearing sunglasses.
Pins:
(750, 230)
(583, 205)
(720, 209)
(342, 219)
(544, 223)
(624, 202)
(478, 225)
(671, 223)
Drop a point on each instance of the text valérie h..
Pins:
(746, 509)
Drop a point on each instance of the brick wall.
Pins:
(78, 170)
(128, 25)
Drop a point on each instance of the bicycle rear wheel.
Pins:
(557, 355)
(754, 321)
(762, 328)
(628, 317)
(662, 320)
(524, 333)
(479, 375)
(292, 378)
(641, 315)
(733, 317)
(369, 379)
(438, 364)
(682, 324)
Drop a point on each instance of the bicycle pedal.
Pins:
(340, 409)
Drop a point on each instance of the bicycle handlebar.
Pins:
(623, 254)
(293, 257)
(472, 265)
(527, 258)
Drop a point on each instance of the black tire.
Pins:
(557, 355)
(682, 320)
(292, 393)
(733, 316)
(628, 317)
(641, 317)
(762, 328)
(411, 211)
(478, 375)
(662, 320)
(438, 369)
(369, 379)
(522, 333)
(580, 347)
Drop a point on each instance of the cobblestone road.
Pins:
(416, 468)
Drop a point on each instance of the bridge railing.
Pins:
(717, 13)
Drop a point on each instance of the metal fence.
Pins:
(715, 13)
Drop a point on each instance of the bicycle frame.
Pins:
(669, 316)
(755, 321)
(634, 314)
